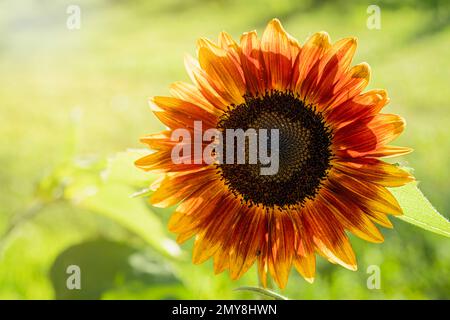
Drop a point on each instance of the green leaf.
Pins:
(110, 196)
(419, 211)
(113, 201)
(263, 292)
(106, 265)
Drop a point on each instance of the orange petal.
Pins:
(253, 63)
(309, 56)
(329, 238)
(389, 151)
(279, 51)
(220, 264)
(187, 224)
(332, 70)
(281, 247)
(223, 72)
(375, 171)
(337, 60)
(215, 231)
(203, 250)
(176, 187)
(370, 195)
(190, 93)
(196, 209)
(380, 218)
(306, 266)
(340, 252)
(176, 113)
(247, 237)
(222, 234)
(359, 138)
(158, 140)
(352, 84)
(349, 215)
(206, 86)
(263, 257)
(226, 42)
(360, 107)
(305, 259)
(161, 161)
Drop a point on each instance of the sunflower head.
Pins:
(329, 178)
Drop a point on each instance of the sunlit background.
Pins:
(73, 101)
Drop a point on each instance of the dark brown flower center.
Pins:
(304, 150)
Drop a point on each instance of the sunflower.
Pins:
(330, 179)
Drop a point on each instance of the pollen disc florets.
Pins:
(304, 150)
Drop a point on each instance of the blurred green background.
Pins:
(72, 99)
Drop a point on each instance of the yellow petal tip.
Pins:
(321, 39)
(362, 70)
(276, 24)
(353, 40)
(309, 280)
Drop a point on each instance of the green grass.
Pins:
(124, 53)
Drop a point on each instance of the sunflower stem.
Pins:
(267, 294)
